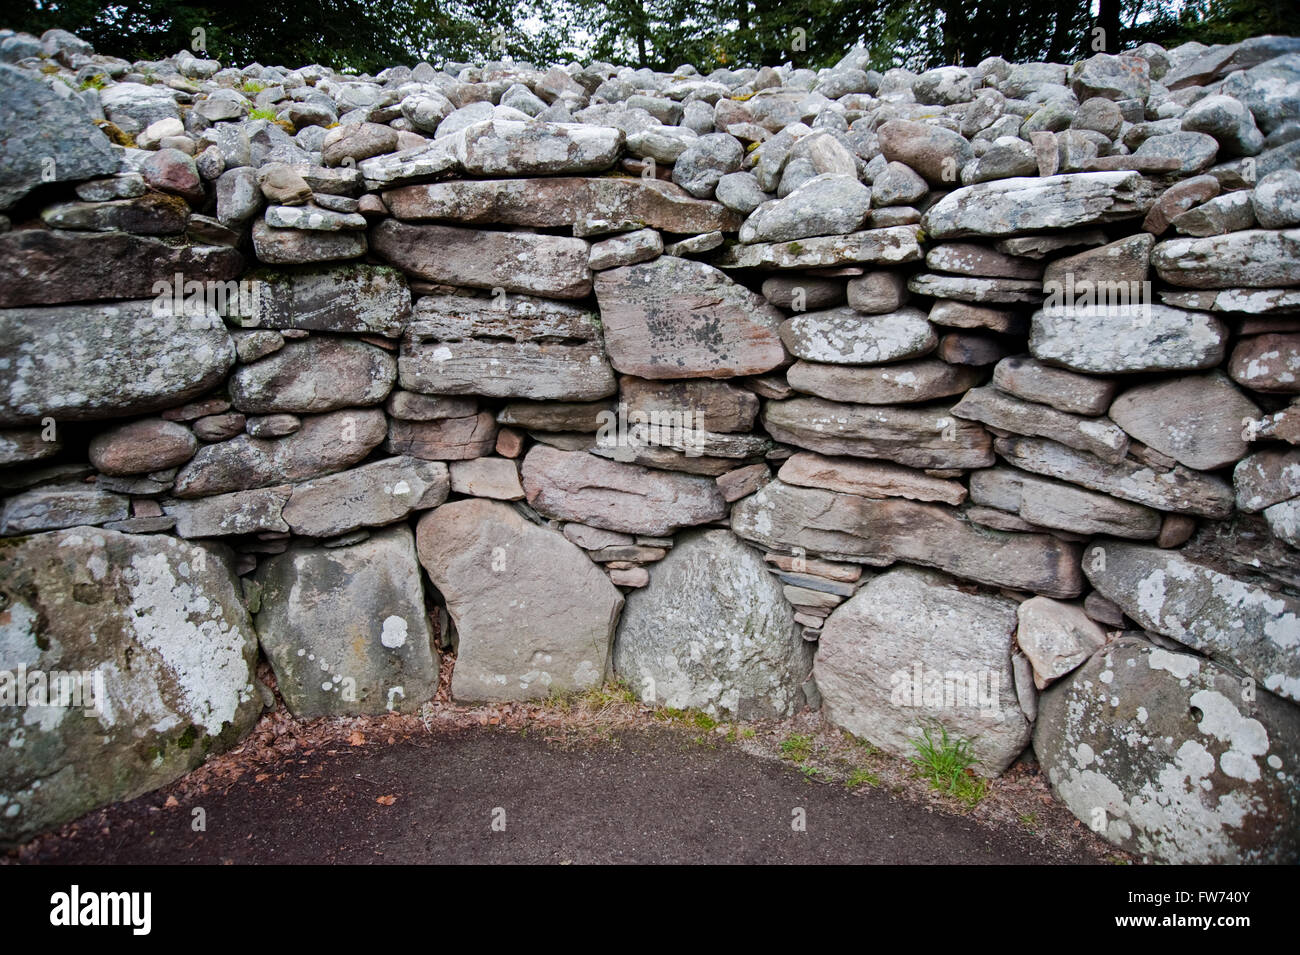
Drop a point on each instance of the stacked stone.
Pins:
(758, 389)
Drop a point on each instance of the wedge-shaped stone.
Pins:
(159, 627)
(1065, 507)
(444, 439)
(843, 336)
(358, 298)
(1007, 207)
(1183, 769)
(1031, 380)
(89, 362)
(1196, 420)
(1056, 637)
(1229, 619)
(1099, 436)
(345, 628)
(868, 478)
(534, 615)
(51, 266)
(919, 438)
(369, 496)
(903, 382)
(324, 444)
(1256, 258)
(1127, 338)
(549, 265)
(1178, 490)
(1267, 477)
(888, 667)
(878, 532)
(410, 165)
(576, 486)
(555, 203)
(892, 246)
(676, 318)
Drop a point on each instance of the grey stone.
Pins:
(1168, 761)
(372, 495)
(88, 362)
(239, 512)
(1196, 420)
(345, 627)
(705, 161)
(847, 337)
(1123, 339)
(316, 374)
(162, 624)
(489, 563)
(888, 670)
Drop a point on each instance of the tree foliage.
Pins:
(367, 35)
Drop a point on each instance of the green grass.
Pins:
(252, 86)
(860, 776)
(262, 113)
(96, 82)
(945, 764)
(797, 747)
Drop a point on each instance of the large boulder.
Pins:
(1169, 755)
(345, 628)
(148, 642)
(49, 139)
(88, 362)
(1229, 619)
(912, 650)
(713, 632)
(534, 615)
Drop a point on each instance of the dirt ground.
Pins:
(596, 779)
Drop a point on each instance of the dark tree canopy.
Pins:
(367, 35)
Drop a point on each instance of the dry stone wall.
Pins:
(960, 402)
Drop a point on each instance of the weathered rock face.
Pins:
(1231, 620)
(880, 532)
(553, 266)
(534, 615)
(52, 127)
(888, 668)
(674, 318)
(1166, 755)
(576, 486)
(326, 443)
(712, 632)
(345, 627)
(314, 375)
(1018, 206)
(156, 654)
(555, 202)
(88, 362)
(52, 266)
(505, 347)
(987, 321)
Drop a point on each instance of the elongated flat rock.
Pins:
(1255, 258)
(675, 318)
(52, 266)
(576, 486)
(892, 246)
(878, 532)
(1067, 507)
(899, 383)
(368, 496)
(868, 478)
(843, 336)
(546, 203)
(1127, 339)
(505, 147)
(1228, 619)
(1179, 490)
(1007, 207)
(324, 444)
(550, 265)
(358, 298)
(918, 438)
(1099, 436)
(88, 362)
